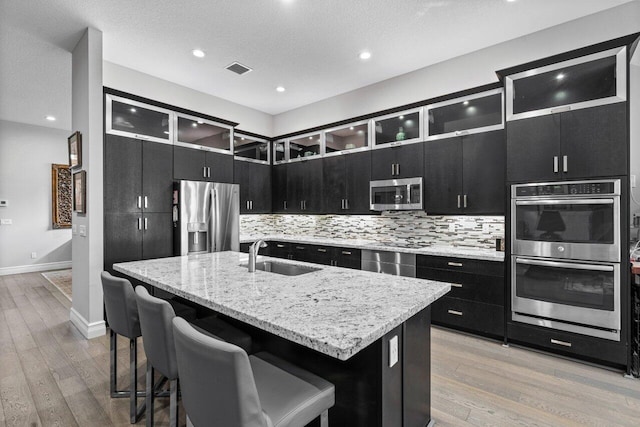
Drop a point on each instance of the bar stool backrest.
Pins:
(120, 304)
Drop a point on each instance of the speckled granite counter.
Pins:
(335, 311)
(437, 250)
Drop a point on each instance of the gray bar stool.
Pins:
(122, 316)
(222, 385)
(156, 316)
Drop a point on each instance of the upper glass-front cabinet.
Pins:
(305, 146)
(279, 151)
(588, 81)
(250, 148)
(354, 136)
(204, 134)
(137, 120)
(475, 113)
(398, 128)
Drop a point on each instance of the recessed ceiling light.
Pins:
(560, 76)
(364, 55)
(133, 110)
(351, 128)
(166, 132)
(510, 1)
(198, 53)
(200, 122)
(50, 118)
(465, 103)
(280, 89)
(401, 117)
(194, 124)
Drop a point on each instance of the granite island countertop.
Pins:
(336, 311)
(435, 250)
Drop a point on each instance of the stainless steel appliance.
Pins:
(396, 194)
(394, 263)
(206, 217)
(565, 256)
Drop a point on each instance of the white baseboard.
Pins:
(88, 330)
(33, 268)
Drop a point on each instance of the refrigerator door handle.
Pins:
(216, 219)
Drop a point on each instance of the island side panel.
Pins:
(417, 369)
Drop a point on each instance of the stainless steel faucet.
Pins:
(253, 254)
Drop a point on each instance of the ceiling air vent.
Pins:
(238, 68)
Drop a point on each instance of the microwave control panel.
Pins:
(567, 189)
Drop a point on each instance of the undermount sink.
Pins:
(284, 269)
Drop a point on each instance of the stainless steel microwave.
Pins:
(396, 194)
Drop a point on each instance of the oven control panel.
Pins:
(566, 189)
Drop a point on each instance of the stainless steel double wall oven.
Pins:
(565, 256)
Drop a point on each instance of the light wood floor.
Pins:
(51, 376)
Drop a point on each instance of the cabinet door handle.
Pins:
(393, 169)
(247, 204)
(398, 169)
(139, 223)
(454, 264)
(204, 171)
(555, 164)
(346, 204)
(458, 201)
(285, 205)
(252, 205)
(346, 253)
(562, 343)
(456, 285)
(146, 222)
(455, 312)
(565, 164)
(341, 203)
(146, 202)
(465, 200)
(280, 246)
(208, 172)
(322, 250)
(139, 204)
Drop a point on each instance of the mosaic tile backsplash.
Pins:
(412, 229)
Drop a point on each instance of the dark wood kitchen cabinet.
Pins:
(279, 202)
(476, 300)
(304, 186)
(400, 161)
(318, 254)
(138, 183)
(585, 143)
(346, 183)
(465, 174)
(255, 186)
(202, 165)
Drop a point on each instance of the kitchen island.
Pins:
(367, 333)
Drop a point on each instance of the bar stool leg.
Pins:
(324, 419)
(133, 372)
(150, 394)
(113, 354)
(173, 403)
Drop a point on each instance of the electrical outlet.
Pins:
(452, 227)
(6, 221)
(82, 230)
(393, 351)
(632, 178)
(34, 255)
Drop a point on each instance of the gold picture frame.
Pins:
(80, 192)
(61, 204)
(75, 150)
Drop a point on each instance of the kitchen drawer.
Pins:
(468, 315)
(278, 249)
(592, 349)
(347, 258)
(320, 254)
(475, 287)
(488, 268)
(244, 247)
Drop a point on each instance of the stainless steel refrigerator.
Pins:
(206, 217)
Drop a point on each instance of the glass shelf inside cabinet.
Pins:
(279, 151)
(566, 85)
(199, 132)
(306, 146)
(348, 138)
(465, 115)
(399, 128)
(249, 148)
(139, 120)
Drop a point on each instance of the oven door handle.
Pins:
(592, 267)
(565, 202)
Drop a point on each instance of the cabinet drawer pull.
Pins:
(300, 247)
(322, 250)
(562, 343)
(280, 246)
(455, 312)
(456, 285)
(454, 264)
(346, 253)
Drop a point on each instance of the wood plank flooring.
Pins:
(51, 376)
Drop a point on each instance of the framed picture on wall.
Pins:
(80, 192)
(75, 150)
(61, 196)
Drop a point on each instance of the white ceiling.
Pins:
(309, 47)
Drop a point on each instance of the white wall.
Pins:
(137, 83)
(464, 72)
(26, 155)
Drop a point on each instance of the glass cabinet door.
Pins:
(251, 148)
(305, 146)
(350, 137)
(588, 81)
(204, 133)
(137, 120)
(400, 127)
(279, 151)
(475, 113)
